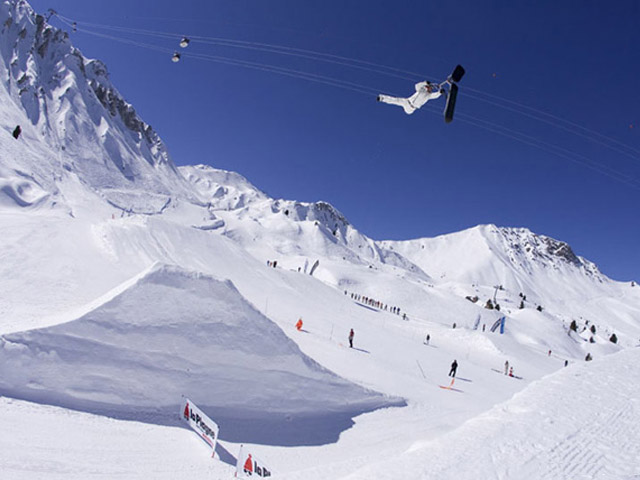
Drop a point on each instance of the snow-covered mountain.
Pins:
(487, 253)
(530, 270)
(75, 122)
(128, 282)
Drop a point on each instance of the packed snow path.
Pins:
(579, 423)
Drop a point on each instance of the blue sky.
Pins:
(531, 68)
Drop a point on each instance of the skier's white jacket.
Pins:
(416, 100)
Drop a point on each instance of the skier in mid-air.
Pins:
(425, 91)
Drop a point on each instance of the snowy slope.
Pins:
(222, 189)
(285, 230)
(558, 428)
(175, 333)
(488, 254)
(74, 121)
(544, 270)
(72, 444)
(128, 282)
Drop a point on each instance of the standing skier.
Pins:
(454, 367)
(351, 335)
(16, 132)
(426, 341)
(506, 367)
(299, 324)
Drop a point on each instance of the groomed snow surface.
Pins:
(92, 388)
(557, 428)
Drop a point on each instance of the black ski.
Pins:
(451, 103)
(457, 74)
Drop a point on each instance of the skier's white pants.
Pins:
(402, 102)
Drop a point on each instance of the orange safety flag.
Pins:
(248, 465)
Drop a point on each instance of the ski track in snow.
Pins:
(560, 427)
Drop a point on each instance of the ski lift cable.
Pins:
(369, 91)
(560, 126)
(535, 139)
(545, 146)
(530, 140)
(254, 65)
(540, 112)
(126, 41)
(557, 122)
(550, 148)
(501, 130)
(279, 49)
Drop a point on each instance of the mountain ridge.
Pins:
(68, 103)
(93, 132)
(88, 141)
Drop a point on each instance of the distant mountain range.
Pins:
(84, 148)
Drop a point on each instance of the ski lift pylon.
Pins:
(176, 57)
(184, 43)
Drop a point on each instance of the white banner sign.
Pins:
(249, 466)
(203, 425)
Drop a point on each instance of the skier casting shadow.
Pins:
(454, 367)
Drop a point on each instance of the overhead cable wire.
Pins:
(366, 90)
(560, 119)
(279, 49)
(550, 148)
(243, 63)
(516, 107)
(560, 126)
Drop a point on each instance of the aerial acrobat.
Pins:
(426, 91)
